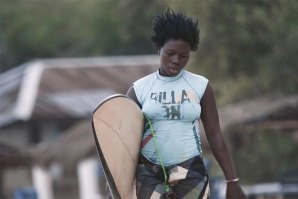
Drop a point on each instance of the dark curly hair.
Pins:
(175, 26)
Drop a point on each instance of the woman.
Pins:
(173, 101)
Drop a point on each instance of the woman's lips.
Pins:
(174, 69)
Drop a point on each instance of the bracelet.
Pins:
(232, 180)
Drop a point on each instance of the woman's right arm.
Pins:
(132, 95)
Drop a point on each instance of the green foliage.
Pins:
(263, 155)
(247, 47)
(38, 29)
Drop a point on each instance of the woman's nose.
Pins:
(175, 59)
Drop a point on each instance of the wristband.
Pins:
(232, 180)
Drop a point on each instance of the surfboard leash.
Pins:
(167, 187)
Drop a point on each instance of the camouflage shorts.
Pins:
(187, 180)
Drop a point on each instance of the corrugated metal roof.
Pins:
(67, 87)
(256, 111)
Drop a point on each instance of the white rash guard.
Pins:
(173, 106)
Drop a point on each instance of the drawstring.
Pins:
(167, 188)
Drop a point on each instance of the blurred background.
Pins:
(59, 59)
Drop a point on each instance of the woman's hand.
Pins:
(234, 191)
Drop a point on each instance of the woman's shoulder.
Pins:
(146, 78)
(194, 76)
(198, 82)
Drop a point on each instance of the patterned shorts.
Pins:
(187, 180)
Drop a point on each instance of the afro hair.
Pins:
(175, 26)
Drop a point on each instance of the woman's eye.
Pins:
(184, 56)
(170, 53)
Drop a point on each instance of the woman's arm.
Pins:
(131, 94)
(210, 119)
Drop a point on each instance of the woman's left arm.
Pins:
(210, 119)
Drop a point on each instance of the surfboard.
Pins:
(118, 124)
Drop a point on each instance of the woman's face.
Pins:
(173, 57)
